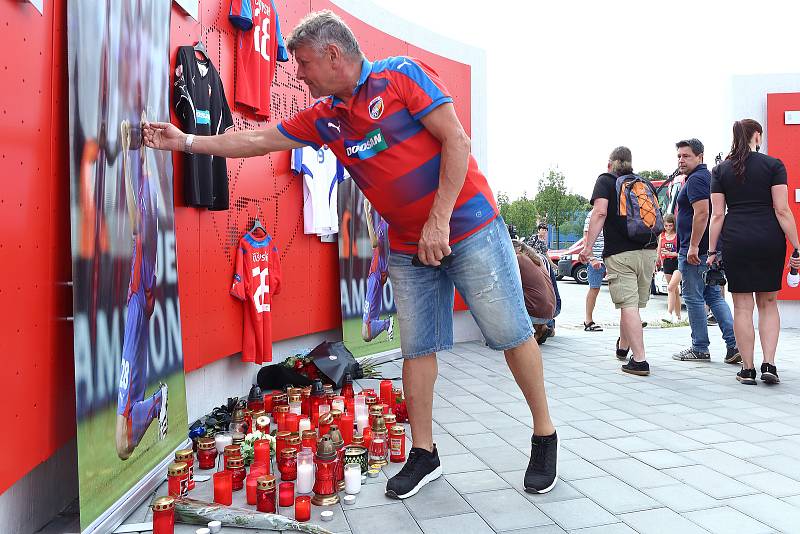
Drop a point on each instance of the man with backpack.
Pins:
(625, 208)
(694, 207)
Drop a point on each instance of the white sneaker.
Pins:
(163, 426)
(668, 319)
(390, 331)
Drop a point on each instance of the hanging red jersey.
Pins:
(256, 280)
(259, 44)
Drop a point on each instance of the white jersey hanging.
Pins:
(322, 173)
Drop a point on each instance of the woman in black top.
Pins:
(753, 240)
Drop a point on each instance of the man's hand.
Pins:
(434, 243)
(585, 254)
(163, 136)
(693, 256)
(711, 260)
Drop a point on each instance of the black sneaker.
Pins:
(769, 373)
(637, 368)
(747, 376)
(420, 468)
(711, 320)
(622, 354)
(692, 355)
(733, 355)
(542, 473)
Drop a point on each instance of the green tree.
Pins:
(553, 203)
(504, 205)
(653, 176)
(522, 213)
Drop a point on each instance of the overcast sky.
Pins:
(568, 81)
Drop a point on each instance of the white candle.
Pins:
(305, 424)
(362, 421)
(338, 404)
(352, 478)
(295, 407)
(305, 478)
(324, 408)
(222, 440)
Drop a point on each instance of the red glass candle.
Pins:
(235, 465)
(305, 399)
(281, 437)
(259, 468)
(302, 508)
(164, 515)
(268, 403)
(250, 488)
(206, 453)
(286, 494)
(325, 477)
(309, 439)
(367, 434)
(347, 387)
(350, 405)
(292, 422)
(223, 487)
(178, 479)
(386, 387)
(397, 444)
(187, 456)
(265, 494)
(263, 424)
(287, 464)
(325, 422)
(261, 451)
(346, 427)
(280, 413)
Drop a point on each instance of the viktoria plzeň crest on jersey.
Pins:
(376, 108)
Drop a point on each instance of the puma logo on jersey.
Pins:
(404, 63)
(337, 126)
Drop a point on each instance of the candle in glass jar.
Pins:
(223, 487)
(386, 387)
(280, 415)
(338, 403)
(164, 515)
(265, 494)
(259, 468)
(261, 451)
(250, 487)
(305, 471)
(362, 421)
(235, 465)
(302, 508)
(304, 424)
(352, 478)
(187, 456)
(268, 403)
(263, 424)
(346, 427)
(222, 440)
(178, 479)
(206, 453)
(296, 406)
(292, 422)
(286, 494)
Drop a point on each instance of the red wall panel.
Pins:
(784, 143)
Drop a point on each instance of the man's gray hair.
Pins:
(322, 28)
(621, 161)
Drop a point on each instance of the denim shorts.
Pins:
(484, 269)
(596, 275)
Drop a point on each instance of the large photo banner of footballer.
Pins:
(129, 381)
(368, 308)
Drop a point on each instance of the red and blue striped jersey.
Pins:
(379, 137)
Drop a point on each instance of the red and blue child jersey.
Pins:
(379, 137)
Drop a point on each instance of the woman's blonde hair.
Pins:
(521, 248)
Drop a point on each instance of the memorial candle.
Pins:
(292, 422)
(346, 427)
(386, 392)
(261, 451)
(302, 508)
(250, 487)
(305, 470)
(223, 487)
(286, 494)
(164, 515)
(303, 425)
(352, 478)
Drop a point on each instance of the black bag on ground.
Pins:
(278, 376)
(334, 360)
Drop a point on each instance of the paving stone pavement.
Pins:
(687, 449)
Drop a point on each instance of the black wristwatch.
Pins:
(712, 252)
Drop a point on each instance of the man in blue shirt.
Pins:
(692, 224)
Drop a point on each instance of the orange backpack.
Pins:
(639, 205)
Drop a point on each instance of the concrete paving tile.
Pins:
(479, 441)
(743, 449)
(709, 481)
(671, 440)
(545, 529)
(475, 481)
(501, 420)
(615, 528)
(776, 428)
(393, 518)
(461, 463)
(502, 458)
(578, 469)
(772, 483)
(725, 519)
(563, 490)
(577, 513)
(635, 473)
(436, 500)
(682, 498)
(661, 521)
(724, 463)
(476, 408)
(610, 416)
(780, 463)
(635, 425)
(599, 429)
(664, 459)
(506, 510)
(592, 449)
(468, 427)
(447, 444)
(371, 495)
(706, 436)
(631, 444)
(463, 524)
(450, 415)
(614, 495)
(569, 432)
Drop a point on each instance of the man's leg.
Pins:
(631, 329)
(419, 377)
(525, 362)
(722, 313)
(693, 289)
(591, 301)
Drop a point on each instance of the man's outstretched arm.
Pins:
(240, 144)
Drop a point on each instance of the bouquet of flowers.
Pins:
(400, 410)
(247, 445)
